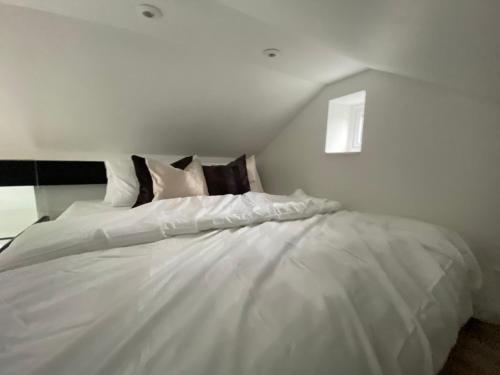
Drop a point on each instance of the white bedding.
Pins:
(252, 284)
(83, 208)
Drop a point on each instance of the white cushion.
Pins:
(171, 182)
(123, 187)
(253, 175)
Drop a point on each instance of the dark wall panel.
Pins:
(47, 172)
(71, 172)
(17, 173)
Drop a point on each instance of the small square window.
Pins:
(346, 116)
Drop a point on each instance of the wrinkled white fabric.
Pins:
(83, 208)
(155, 221)
(224, 285)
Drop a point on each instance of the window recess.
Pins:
(346, 118)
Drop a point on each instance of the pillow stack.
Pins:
(140, 180)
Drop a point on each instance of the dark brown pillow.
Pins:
(227, 179)
(146, 182)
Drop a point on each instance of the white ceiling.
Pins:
(93, 76)
(451, 42)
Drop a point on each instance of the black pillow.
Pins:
(227, 179)
(146, 182)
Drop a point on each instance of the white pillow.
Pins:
(123, 187)
(171, 182)
(253, 175)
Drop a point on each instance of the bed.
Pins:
(233, 284)
(84, 208)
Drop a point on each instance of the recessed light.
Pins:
(149, 11)
(271, 52)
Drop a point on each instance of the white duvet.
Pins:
(233, 285)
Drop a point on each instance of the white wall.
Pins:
(428, 153)
(17, 209)
(53, 200)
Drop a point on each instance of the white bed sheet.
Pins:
(255, 284)
(84, 208)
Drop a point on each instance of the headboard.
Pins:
(50, 172)
(31, 189)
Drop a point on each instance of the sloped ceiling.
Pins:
(93, 76)
(450, 42)
(96, 77)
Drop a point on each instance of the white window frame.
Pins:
(355, 137)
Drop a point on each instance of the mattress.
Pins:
(251, 284)
(84, 208)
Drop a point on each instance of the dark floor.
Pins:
(477, 351)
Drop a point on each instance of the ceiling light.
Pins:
(149, 11)
(271, 52)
